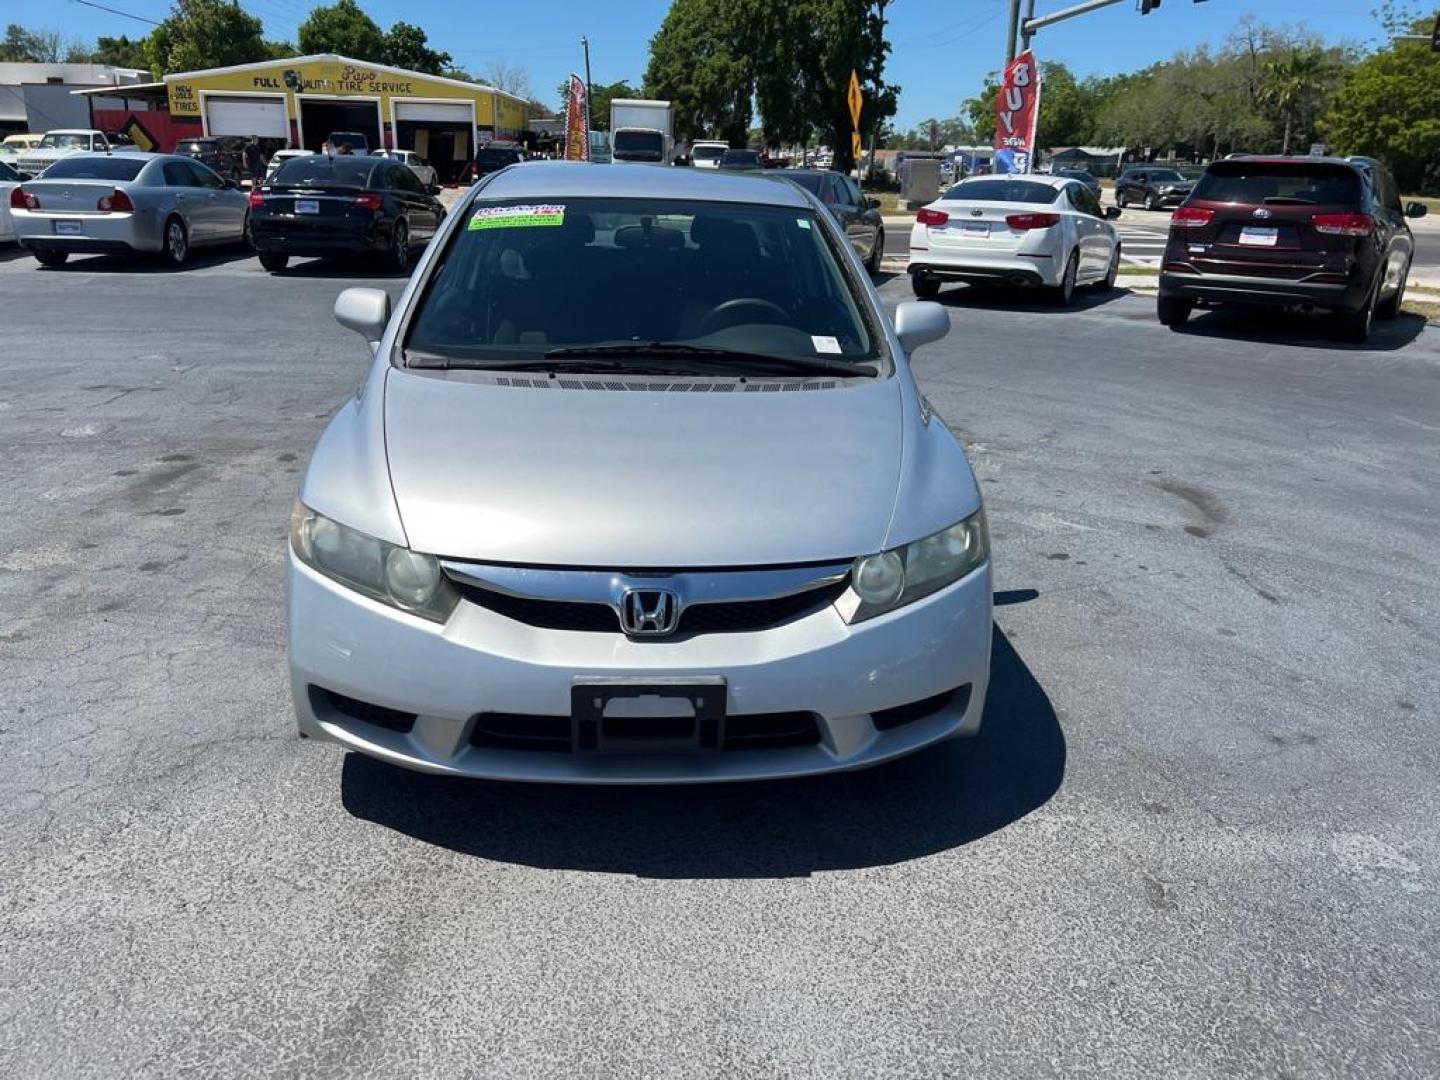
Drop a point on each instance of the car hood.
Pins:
(630, 479)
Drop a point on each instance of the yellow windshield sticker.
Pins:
(517, 217)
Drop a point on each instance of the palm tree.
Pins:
(1293, 82)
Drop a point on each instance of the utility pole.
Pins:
(589, 91)
(1013, 32)
(875, 124)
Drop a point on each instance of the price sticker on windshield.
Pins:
(517, 217)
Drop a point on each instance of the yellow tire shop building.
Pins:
(299, 101)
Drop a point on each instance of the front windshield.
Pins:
(707, 153)
(7, 173)
(740, 157)
(1166, 174)
(520, 280)
(640, 145)
(59, 140)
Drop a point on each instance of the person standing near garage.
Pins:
(255, 161)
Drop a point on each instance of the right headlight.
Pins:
(409, 580)
(891, 579)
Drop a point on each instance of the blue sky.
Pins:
(943, 48)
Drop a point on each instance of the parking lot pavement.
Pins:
(1197, 836)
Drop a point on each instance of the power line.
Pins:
(117, 11)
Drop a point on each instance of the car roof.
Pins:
(578, 179)
(1297, 159)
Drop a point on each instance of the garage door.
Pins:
(247, 116)
(458, 113)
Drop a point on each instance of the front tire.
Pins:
(177, 243)
(398, 257)
(925, 287)
(1063, 295)
(872, 264)
(1121, 200)
(50, 258)
(1172, 312)
(1152, 202)
(274, 261)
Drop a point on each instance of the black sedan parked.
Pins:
(324, 206)
(857, 215)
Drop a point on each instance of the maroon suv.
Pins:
(1324, 233)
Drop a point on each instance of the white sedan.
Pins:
(1024, 230)
(423, 170)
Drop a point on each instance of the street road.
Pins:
(1199, 835)
(1142, 240)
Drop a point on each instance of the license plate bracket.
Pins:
(68, 228)
(611, 714)
(1259, 236)
(974, 228)
(307, 206)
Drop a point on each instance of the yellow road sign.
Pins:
(853, 99)
(855, 145)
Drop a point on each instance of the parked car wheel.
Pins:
(398, 257)
(274, 261)
(247, 238)
(1388, 309)
(50, 258)
(1172, 312)
(177, 242)
(1064, 293)
(1107, 283)
(925, 287)
(1354, 326)
(1121, 200)
(1152, 201)
(877, 253)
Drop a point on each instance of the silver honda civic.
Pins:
(639, 489)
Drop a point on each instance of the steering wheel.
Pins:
(724, 315)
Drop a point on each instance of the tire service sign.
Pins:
(1017, 112)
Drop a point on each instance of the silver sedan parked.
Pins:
(639, 489)
(121, 202)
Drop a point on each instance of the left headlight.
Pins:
(900, 576)
(404, 579)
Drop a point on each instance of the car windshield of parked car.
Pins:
(998, 190)
(321, 170)
(1258, 182)
(640, 145)
(739, 157)
(58, 140)
(707, 153)
(96, 167)
(495, 156)
(1167, 176)
(7, 173)
(520, 281)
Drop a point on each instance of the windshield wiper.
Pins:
(1287, 200)
(733, 357)
(414, 358)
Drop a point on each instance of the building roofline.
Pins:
(260, 65)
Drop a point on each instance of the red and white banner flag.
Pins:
(1017, 113)
(577, 121)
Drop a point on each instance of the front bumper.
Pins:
(137, 231)
(481, 661)
(1264, 291)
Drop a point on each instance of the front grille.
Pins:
(368, 712)
(732, 617)
(553, 734)
(887, 719)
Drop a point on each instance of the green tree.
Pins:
(1389, 108)
(30, 46)
(406, 46)
(700, 62)
(120, 52)
(205, 33)
(601, 93)
(1294, 85)
(344, 29)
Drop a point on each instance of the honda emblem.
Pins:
(649, 612)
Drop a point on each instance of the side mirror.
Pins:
(919, 322)
(872, 204)
(366, 311)
(1111, 213)
(1416, 209)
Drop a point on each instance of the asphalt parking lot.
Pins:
(1198, 836)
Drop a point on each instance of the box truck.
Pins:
(641, 131)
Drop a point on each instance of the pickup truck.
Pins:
(63, 142)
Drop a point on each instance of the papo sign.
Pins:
(1017, 112)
